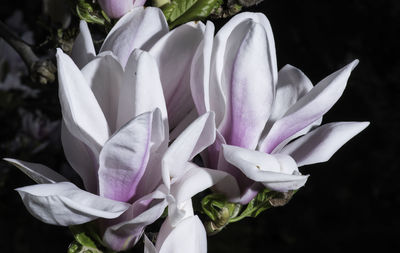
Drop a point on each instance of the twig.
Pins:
(42, 71)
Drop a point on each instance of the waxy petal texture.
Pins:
(104, 76)
(141, 78)
(200, 72)
(309, 108)
(188, 236)
(83, 49)
(276, 172)
(124, 158)
(174, 53)
(81, 112)
(228, 40)
(194, 139)
(65, 204)
(140, 28)
(320, 144)
(39, 173)
(126, 234)
(251, 95)
(81, 158)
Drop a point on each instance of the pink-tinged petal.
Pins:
(82, 114)
(140, 79)
(81, 158)
(124, 157)
(200, 71)
(277, 172)
(140, 28)
(126, 234)
(227, 40)
(159, 139)
(65, 204)
(104, 76)
(292, 85)
(245, 183)
(302, 132)
(116, 8)
(194, 139)
(249, 193)
(37, 172)
(174, 53)
(83, 49)
(198, 179)
(188, 236)
(252, 89)
(320, 144)
(309, 108)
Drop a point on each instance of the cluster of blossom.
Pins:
(138, 112)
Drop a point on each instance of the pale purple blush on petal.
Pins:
(116, 8)
(124, 158)
(252, 89)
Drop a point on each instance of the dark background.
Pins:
(349, 203)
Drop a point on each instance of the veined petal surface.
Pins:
(65, 204)
(320, 144)
(37, 172)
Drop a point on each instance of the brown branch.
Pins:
(42, 71)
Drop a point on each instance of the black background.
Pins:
(349, 203)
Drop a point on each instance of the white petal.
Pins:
(124, 158)
(81, 112)
(227, 40)
(159, 144)
(198, 179)
(200, 71)
(174, 53)
(141, 78)
(126, 234)
(188, 236)
(320, 144)
(148, 245)
(199, 135)
(81, 158)
(65, 204)
(309, 108)
(139, 28)
(83, 49)
(292, 85)
(251, 90)
(104, 76)
(277, 172)
(39, 173)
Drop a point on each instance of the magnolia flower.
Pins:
(118, 144)
(117, 8)
(259, 112)
(147, 29)
(188, 235)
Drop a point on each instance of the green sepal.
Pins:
(87, 12)
(181, 11)
(86, 240)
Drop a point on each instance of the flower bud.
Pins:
(117, 8)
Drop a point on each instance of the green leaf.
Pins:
(181, 11)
